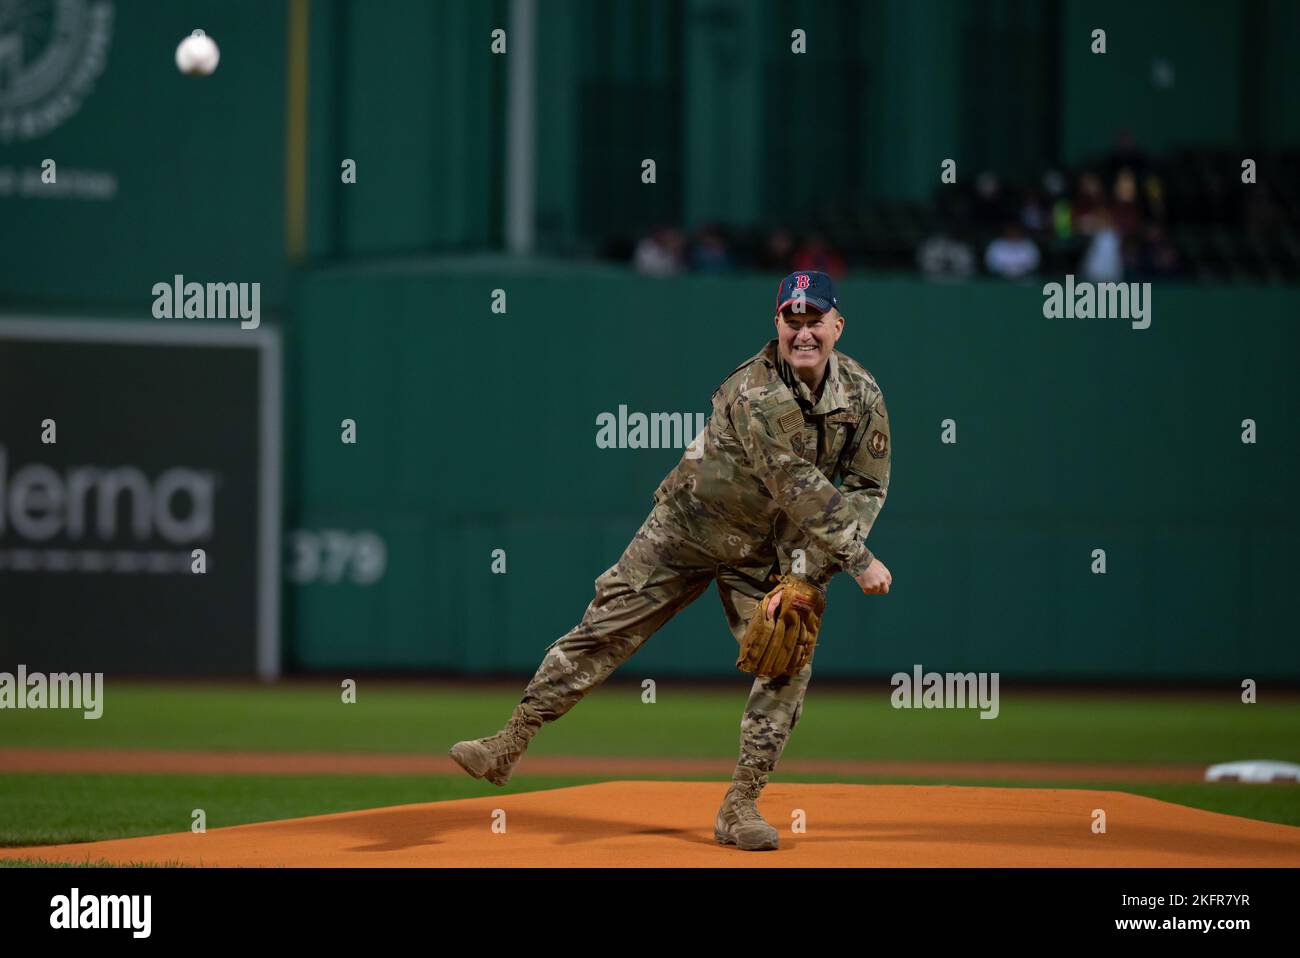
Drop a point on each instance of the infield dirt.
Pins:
(669, 824)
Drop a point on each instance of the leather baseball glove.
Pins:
(783, 644)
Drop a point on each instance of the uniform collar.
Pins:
(833, 396)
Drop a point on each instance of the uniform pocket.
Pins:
(839, 429)
(634, 569)
(665, 488)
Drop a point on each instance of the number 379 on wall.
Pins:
(332, 555)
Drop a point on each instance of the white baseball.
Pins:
(197, 54)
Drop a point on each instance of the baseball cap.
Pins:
(816, 290)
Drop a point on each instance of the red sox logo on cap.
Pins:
(809, 287)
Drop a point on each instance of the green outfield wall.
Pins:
(156, 173)
(477, 432)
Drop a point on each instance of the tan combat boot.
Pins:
(494, 757)
(738, 822)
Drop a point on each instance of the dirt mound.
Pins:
(669, 824)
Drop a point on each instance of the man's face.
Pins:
(806, 339)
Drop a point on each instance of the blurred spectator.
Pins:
(1126, 212)
(1063, 219)
(945, 256)
(1058, 204)
(1012, 255)
(660, 253)
(711, 254)
(1128, 215)
(1103, 260)
(778, 253)
(1153, 192)
(1054, 184)
(1035, 215)
(1089, 204)
(816, 254)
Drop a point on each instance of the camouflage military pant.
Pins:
(660, 573)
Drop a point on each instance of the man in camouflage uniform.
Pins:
(787, 477)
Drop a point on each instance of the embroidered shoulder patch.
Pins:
(878, 444)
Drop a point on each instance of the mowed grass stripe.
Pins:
(684, 722)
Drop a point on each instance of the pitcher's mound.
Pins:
(670, 824)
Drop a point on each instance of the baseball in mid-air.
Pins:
(197, 55)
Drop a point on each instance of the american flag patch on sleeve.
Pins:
(790, 421)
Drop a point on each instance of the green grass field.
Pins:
(690, 722)
(685, 722)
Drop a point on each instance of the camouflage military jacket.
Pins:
(780, 476)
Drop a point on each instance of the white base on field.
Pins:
(1254, 770)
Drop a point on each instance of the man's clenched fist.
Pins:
(874, 579)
